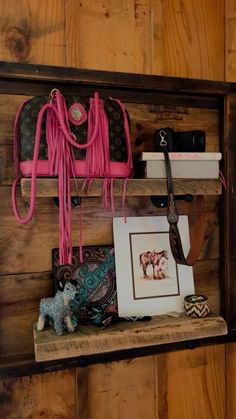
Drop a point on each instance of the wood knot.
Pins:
(17, 41)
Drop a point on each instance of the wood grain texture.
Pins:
(110, 35)
(191, 87)
(133, 36)
(230, 208)
(91, 340)
(50, 395)
(206, 280)
(230, 40)
(184, 384)
(42, 232)
(9, 104)
(147, 118)
(19, 303)
(191, 384)
(115, 390)
(230, 380)
(33, 31)
(135, 187)
(195, 48)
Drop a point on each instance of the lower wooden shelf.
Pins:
(91, 340)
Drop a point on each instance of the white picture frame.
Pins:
(149, 281)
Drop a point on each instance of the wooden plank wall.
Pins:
(230, 74)
(171, 37)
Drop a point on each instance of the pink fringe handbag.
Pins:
(67, 137)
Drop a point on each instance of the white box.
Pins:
(183, 165)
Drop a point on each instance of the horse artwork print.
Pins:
(158, 261)
(154, 271)
(149, 281)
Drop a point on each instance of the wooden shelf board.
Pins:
(91, 340)
(74, 76)
(48, 187)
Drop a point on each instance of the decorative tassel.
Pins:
(60, 156)
(97, 155)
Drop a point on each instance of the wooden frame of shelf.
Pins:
(29, 79)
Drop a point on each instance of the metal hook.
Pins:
(52, 94)
(75, 201)
(161, 201)
(163, 134)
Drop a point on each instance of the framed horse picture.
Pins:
(149, 282)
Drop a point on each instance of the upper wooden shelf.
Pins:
(48, 187)
(91, 340)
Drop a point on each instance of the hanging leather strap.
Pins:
(173, 217)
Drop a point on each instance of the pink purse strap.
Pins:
(41, 113)
(28, 217)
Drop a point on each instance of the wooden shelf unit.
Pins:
(28, 79)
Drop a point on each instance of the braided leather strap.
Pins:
(173, 217)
